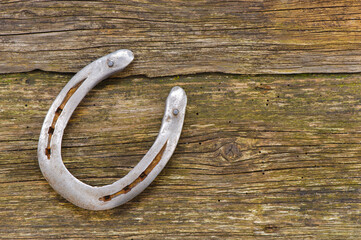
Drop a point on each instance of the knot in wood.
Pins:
(231, 151)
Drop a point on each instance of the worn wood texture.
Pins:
(183, 37)
(260, 157)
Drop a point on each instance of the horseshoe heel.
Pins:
(126, 188)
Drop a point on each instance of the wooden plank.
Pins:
(183, 37)
(260, 157)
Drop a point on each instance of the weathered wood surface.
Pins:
(182, 37)
(260, 157)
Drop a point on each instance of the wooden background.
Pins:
(271, 142)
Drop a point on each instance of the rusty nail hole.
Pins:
(107, 198)
(59, 110)
(127, 189)
(51, 130)
(143, 175)
(48, 152)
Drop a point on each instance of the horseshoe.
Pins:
(126, 188)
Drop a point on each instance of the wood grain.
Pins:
(183, 37)
(260, 157)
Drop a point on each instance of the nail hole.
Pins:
(48, 152)
(59, 110)
(127, 188)
(106, 198)
(143, 175)
(51, 130)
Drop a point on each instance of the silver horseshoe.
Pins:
(126, 188)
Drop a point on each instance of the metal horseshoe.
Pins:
(126, 188)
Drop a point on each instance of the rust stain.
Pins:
(57, 114)
(139, 179)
